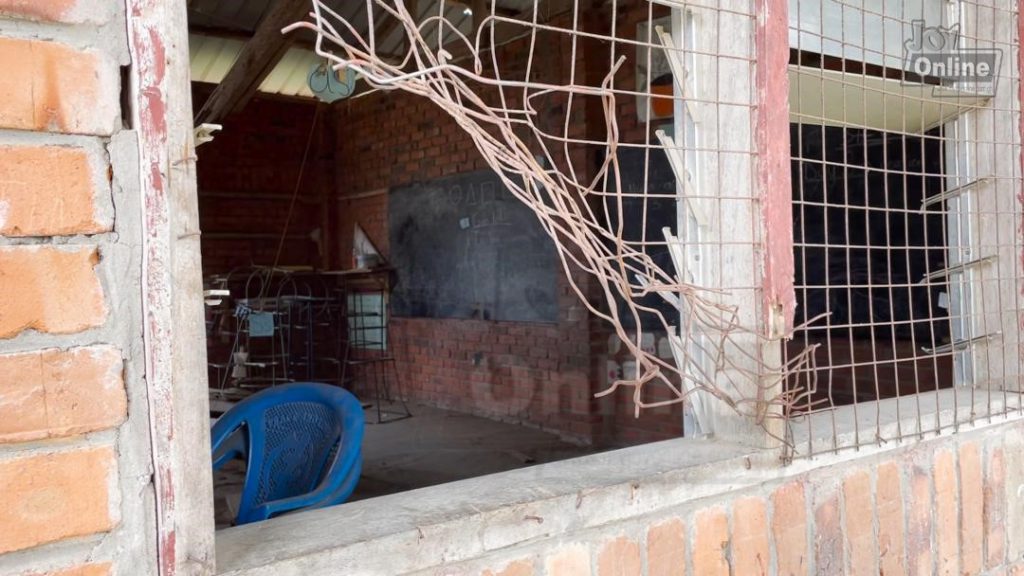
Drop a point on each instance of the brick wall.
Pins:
(73, 455)
(246, 177)
(535, 374)
(945, 506)
(898, 372)
(948, 505)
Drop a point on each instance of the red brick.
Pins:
(972, 503)
(573, 560)
(48, 289)
(947, 545)
(53, 496)
(750, 554)
(67, 11)
(828, 535)
(789, 529)
(710, 543)
(517, 568)
(889, 502)
(47, 191)
(859, 516)
(83, 570)
(919, 524)
(34, 92)
(666, 549)
(54, 393)
(995, 509)
(619, 557)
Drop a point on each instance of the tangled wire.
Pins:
(714, 355)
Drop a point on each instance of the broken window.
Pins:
(905, 215)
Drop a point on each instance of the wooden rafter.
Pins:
(257, 59)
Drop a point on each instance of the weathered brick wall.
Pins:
(949, 505)
(73, 456)
(247, 175)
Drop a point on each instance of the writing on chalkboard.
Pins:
(464, 247)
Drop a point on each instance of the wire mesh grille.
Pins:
(906, 218)
(627, 127)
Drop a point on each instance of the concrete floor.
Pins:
(433, 447)
(437, 446)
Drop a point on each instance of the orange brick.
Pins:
(919, 525)
(995, 509)
(972, 503)
(54, 393)
(619, 557)
(83, 570)
(860, 535)
(828, 536)
(68, 11)
(947, 545)
(789, 529)
(49, 289)
(48, 191)
(889, 501)
(34, 92)
(750, 553)
(517, 568)
(710, 543)
(50, 497)
(666, 549)
(571, 560)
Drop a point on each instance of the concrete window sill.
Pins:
(424, 528)
(429, 527)
(893, 421)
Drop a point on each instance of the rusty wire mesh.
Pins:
(907, 231)
(881, 233)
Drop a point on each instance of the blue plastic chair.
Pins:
(303, 447)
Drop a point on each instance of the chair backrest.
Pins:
(302, 442)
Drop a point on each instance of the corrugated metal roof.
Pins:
(212, 55)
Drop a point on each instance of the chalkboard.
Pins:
(464, 247)
(660, 208)
(861, 244)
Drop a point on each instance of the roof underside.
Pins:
(219, 31)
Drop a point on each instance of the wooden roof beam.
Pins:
(256, 60)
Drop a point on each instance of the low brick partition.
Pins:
(945, 505)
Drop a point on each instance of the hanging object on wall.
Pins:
(331, 85)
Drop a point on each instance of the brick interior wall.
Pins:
(246, 179)
(541, 375)
(898, 371)
(538, 374)
(69, 290)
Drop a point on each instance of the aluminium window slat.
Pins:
(960, 344)
(954, 192)
(945, 272)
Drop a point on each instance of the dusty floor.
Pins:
(433, 447)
